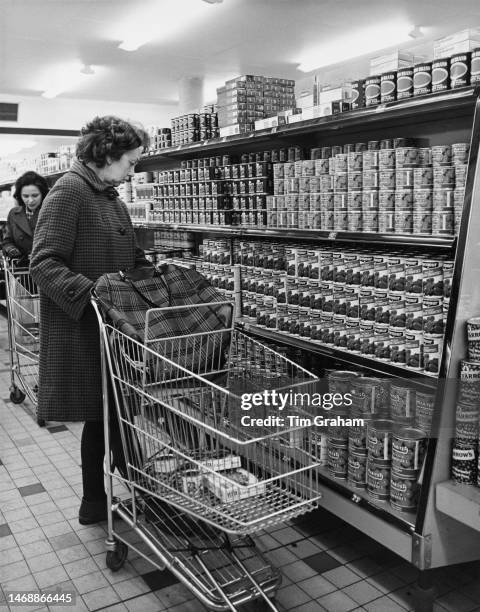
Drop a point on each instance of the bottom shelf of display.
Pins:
(347, 357)
(460, 502)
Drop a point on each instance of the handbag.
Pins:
(185, 336)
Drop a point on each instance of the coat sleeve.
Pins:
(53, 245)
(8, 244)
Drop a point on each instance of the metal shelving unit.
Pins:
(438, 534)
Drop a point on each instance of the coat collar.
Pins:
(90, 177)
(21, 219)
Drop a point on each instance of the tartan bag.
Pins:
(127, 296)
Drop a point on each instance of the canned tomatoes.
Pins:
(402, 403)
(337, 459)
(408, 451)
(378, 481)
(403, 492)
(379, 441)
(357, 471)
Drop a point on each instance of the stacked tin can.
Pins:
(465, 444)
(338, 437)
(432, 313)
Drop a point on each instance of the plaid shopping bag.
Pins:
(184, 335)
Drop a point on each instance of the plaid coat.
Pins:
(18, 231)
(83, 231)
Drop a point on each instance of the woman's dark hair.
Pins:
(109, 136)
(29, 178)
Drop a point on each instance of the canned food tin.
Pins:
(388, 87)
(403, 200)
(443, 222)
(404, 492)
(341, 163)
(337, 460)
(355, 181)
(422, 79)
(422, 223)
(355, 200)
(425, 155)
(379, 441)
(339, 381)
(432, 353)
(408, 450)
(406, 157)
(378, 481)
(386, 222)
(370, 159)
(422, 201)
(355, 161)
(460, 151)
(358, 94)
(355, 221)
(372, 91)
(322, 166)
(386, 143)
(464, 464)
(357, 439)
(460, 175)
(386, 159)
(460, 70)
(422, 178)
(397, 350)
(443, 198)
(402, 403)
(386, 200)
(442, 155)
(475, 67)
(370, 179)
(404, 178)
(386, 179)
(441, 74)
(369, 396)
(403, 222)
(443, 177)
(424, 407)
(357, 471)
(404, 83)
(414, 350)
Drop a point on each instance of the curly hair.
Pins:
(109, 137)
(29, 178)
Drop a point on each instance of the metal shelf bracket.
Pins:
(422, 551)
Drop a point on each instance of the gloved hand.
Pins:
(12, 252)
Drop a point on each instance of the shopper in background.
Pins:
(84, 230)
(17, 239)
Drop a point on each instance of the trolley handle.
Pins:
(118, 321)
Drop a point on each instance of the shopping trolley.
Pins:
(199, 481)
(23, 308)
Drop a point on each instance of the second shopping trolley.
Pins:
(210, 460)
(23, 310)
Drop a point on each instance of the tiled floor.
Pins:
(326, 564)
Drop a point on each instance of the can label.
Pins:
(386, 159)
(357, 470)
(408, 451)
(337, 459)
(443, 222)
(404, 178)
(378, 481)
(404, 83)
(464, 464)
(422, 79)
(441, 74)
(422, 178)
(404, 492)
(358, 94)
(370, 159)
(379, 441)
(372, 91)
(475, 67)
(386, 179)
(443, 177)
(402, 403)
(460, 70)
(388, 87)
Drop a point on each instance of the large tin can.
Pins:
(404, 83)
(372, 90)
(379, 441)
(422, 78)
(404, 492)
(460, 70)
(370, 396)
(357, 470)
(441, 74)
(378, 481)
(337, 460)
(402, 403)
(388, 87)
(475, 67)
(408, 450)
(464, 463)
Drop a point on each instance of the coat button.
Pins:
(122, 231)
(71, 292)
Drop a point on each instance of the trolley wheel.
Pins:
(116, 558)
(17, 396)
(41, 422)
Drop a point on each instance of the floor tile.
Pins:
(132, 587)
(158, 580)
(65, 540)
(43, 562)
(100, 598)
(341, 577)
(338, 602)
(291, 596)
(456, 602)
(362, 592)
(317, 586)
(31, 489)
(150, 603)
(50, 577)
(322, 562)
(310, 606)
(90, 582)
(383, 604)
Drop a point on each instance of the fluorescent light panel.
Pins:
(161, 21)
(356, 44)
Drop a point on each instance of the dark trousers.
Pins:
(92, 451)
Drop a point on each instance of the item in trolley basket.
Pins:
(378, 481)
(404, 83)
(234, 485)
(422, 78)
(441, 74)
(408, 450)
(464, 463)
(379, 441)
(191, 482)
(357, 470)
(337, 459)
(404, 491)
(460, 70)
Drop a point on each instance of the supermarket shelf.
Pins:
(409, 240)
(460, 502)
(6, 184)
(361, 361)
(422, 107)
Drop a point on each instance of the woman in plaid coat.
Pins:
(83, 231)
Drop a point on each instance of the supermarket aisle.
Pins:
(326, 564)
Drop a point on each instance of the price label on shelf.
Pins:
(332, 235)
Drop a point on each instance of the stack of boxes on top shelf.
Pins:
(248, 99)
(160, 138)
(195, 127)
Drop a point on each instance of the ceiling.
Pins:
(212, 41)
